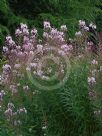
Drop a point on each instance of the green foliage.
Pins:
(59, 12)
(66, 111)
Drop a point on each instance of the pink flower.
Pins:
(25, 31)
(9, 41)
(81, 23)
(14, 51)
(28, 47)
(34, 32)
(45, 35)
(40, 48)
(18, 32)
(6, 67)
(94, 62)
(47, 25)
(91, 80)
(66, 47)
(9, 112)
(93, 26)
(23, 26)
(31, 53)
(8, 38)
(20, 54)
(18, 47)
(63, 28)
(90, 43)
(61, 33)
(22, 110)
(26, 39)
(54, 31)
(86, 28)
(5, 49)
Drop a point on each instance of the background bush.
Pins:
(58, 12)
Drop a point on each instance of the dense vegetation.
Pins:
(51, 68)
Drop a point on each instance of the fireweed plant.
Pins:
(51, 86)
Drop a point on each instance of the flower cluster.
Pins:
(92, 80)
(12, 115)
(83, 26)
(25, 46)
(23, 56)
